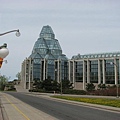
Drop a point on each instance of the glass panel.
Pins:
(79, 71)
(64, 70)
(50, 69)
(109, 72)
(94, 71)
(36, 71)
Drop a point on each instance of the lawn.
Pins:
(100, 101)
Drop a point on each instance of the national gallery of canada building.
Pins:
(48, 62)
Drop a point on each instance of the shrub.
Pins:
(77, 92)
(106, 92)
(90, 87)
(36, 90)
(12, 89)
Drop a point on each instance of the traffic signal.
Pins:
(1, 61)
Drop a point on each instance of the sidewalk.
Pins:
(1, 115)
(15, 109)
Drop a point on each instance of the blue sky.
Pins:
(81, 26)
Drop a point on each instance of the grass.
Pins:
(100, 101)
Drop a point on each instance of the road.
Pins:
(65, 111)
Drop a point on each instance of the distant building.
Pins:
(102, 68)
(47, 62)
(41, 65)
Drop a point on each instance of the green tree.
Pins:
(90, 87)
(18, 75)
(50, 85)
(66, 84)
(37, 84)
(3, 82)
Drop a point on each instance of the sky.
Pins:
(81, 27)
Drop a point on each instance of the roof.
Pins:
(97, 55)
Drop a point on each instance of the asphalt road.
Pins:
(64, 111)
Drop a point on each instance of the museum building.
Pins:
(44, 60)
(48, 62)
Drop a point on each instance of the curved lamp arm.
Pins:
(17, 32)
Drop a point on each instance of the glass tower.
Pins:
(45, 51)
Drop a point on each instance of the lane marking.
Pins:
(16, 108)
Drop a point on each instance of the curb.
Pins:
(95, 106)
(3, 114)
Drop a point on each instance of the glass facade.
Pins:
(50, 69)
(101, 71)
(94, 71)
(109, 72)
(79, 71)
(101, 68)
(47, 62)
(45, 51)
(64, 70)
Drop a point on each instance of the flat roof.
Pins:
(97, 55)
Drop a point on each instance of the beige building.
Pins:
(94, 68)
(40, 65)
(47, 62)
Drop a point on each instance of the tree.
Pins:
(9, 86)
(66, 84)
(3, 82)
(18, 75)
(37, 84)
(50, 85)
(90, 87)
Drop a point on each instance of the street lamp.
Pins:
(17, 33)
(3, 49)
(60, 79)
(117, 85)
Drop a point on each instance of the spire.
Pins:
(47, 33)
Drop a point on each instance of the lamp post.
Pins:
(17, 32)
(117, 85)
(3, 49)
(61, 87)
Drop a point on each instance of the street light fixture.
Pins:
(17, 32)
(117, 84)
(61, 84)
(3, 49)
